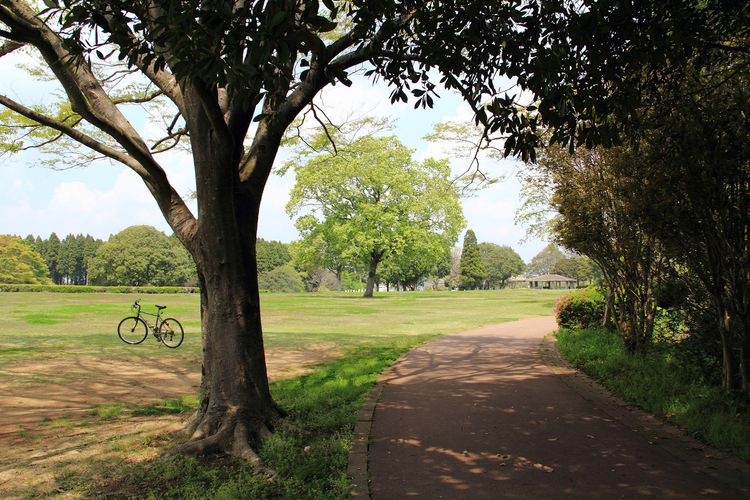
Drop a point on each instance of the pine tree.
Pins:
(472, 267)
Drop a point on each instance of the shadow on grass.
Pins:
(309, 449)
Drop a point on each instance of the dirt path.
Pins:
(481, 415)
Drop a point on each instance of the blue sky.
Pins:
(102, 199)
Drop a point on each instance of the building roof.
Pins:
(551, 277)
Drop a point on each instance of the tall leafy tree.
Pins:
(20, 263)
(501, 262)
(701, 214)
(575, 266)
(419, 259)
(611, 228)
(545, 261)
(51, 252)
(372, 202)
(214, 66)
(315, 257)
(472, 267)
(140, 256)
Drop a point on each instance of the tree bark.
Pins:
(236, 410)
(372, 273)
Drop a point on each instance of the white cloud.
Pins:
(74, 197)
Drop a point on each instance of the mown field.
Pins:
(42, 325)
(88, 415)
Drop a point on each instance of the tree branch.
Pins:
(9, 46)
(89, 100)
(73, 133)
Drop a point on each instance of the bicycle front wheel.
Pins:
(132, 330)
(171, 333)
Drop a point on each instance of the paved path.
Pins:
(482, 415)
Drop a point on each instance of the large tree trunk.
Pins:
(730, 363)
(609, 310)
(372, 273)
(236, 409)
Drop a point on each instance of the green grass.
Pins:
(42, 325)
(182, 404)
(107, 411)
(658, 383)
(309, 449)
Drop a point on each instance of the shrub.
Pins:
(580, 309)
(282, 279)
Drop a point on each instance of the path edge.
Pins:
(698, 456)
(357, 469)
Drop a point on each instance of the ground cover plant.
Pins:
(663, 383)
(87, 415)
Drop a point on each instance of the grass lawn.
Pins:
(43, 325)
(347, 339)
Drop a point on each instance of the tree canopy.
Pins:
(545, 261)
(472, 268)
(19, 263)
(271, 254)
(141, 256)
(372, 202)
(501, 262)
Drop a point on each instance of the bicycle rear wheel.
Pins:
(132, 330)
(171, 333)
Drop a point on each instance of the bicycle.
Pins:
(134, 329)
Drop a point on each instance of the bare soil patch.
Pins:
(51, 435)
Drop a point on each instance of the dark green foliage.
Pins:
(67, 259)
(580, 309)
(271, 254)
(281, 279)
(500, 263)
(472, 267)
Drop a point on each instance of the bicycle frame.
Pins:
(141, 315)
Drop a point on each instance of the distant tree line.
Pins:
(144, 256)
(67, 259)
(486, 266)
(136, 256)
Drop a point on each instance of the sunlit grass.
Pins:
(40, 325)
(309, 448)
(308, 451)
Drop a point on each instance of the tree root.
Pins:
(230, 436)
